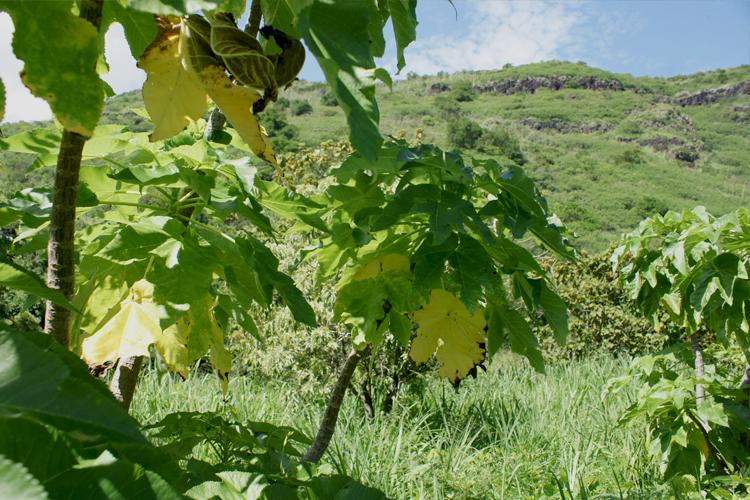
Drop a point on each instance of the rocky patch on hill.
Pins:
(566, 127)
(709, 96)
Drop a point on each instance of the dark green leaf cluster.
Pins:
(688, 436)
(456, 222)
(693, 266)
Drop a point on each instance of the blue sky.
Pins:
(641, 37)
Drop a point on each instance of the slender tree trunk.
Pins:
(331, 415)
(125, 377)
(700, 394)
(745, 383)
(365, 395)
(253, 22)
(60, 247)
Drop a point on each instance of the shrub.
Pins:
(283, 135)
(503, 142)
(282, 103)
(448, 108)
(300, 107)
(464, 133)
(601, 316)
(462, 92)
(328, 99)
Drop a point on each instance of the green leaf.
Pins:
(400, 327)
(60, 52)
(504, 320)
(2, 101)
(555, 312)
(337, 35)
(17, 483)
(15, 277)
(118, 480)
(139, 27)
(44, 452)
(280, 15)
(404, 18)
(38, 377)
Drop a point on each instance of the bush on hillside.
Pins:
(601, 316)
(502, 142)
(462, 92)
(464, 133)
(300, 107)
(328, 99)
(283, 135)
(282, 103)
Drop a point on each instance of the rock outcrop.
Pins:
(530, 84)
(709, 96)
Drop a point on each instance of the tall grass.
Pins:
(511, 433)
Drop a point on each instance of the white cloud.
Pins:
(20, 104)
(494, 33)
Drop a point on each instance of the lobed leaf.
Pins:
(60, 52)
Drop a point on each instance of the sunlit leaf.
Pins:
(130, 332)
(172, 93)
(446, 329)
(17, 483)
(60, 53)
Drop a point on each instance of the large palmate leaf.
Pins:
(17, 483)
(404, 17)
(129, 332)
(172, 93)
(180, 7)
(18, 278)
(41, 379)
(60, 53)
(338, 36)
(116, 480)
(446, 329)
(139, 27)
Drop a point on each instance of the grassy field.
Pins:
(511, 433)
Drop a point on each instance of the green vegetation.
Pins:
(249, 241)
(512, 433)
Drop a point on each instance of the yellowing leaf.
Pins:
(172, 93)
(129, 332)
(390, 262)
(446, 328)
(172, 345)
(236, 102)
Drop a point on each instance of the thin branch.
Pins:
(253, 23)
(325, 431)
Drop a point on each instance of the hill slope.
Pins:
(607, 149)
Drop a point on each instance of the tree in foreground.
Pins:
(694, 267)
(416, 238)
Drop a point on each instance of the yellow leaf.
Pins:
(236, 102)
(172, 345)
(129, 332)
(390, 262)
(172, 93)
(446, 328)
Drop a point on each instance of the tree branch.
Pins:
(253, 23)
(330, 417)
(61, 245)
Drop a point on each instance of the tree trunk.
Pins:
(365, 395)
(331, 415)
(700, 394)
(60, 247)
(125, 379)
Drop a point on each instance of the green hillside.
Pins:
(607, 149)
